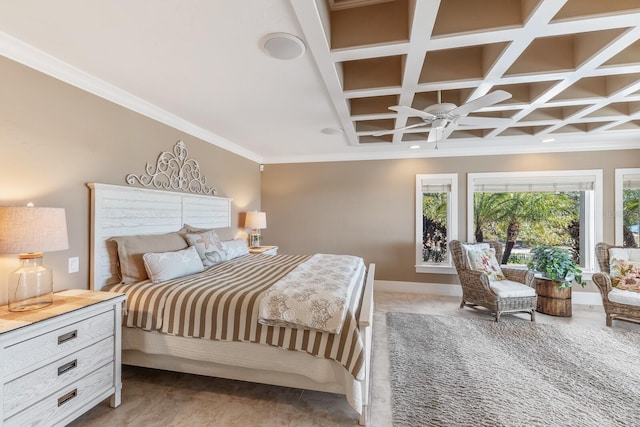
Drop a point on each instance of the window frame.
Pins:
(593, 215)
(619, 200)
(452, 222)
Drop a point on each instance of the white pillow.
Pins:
(619, 253)
(486, 261)
(209, 247)
(163, 266)
(236, 248)
(473, 247)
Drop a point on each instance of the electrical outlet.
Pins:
(74, 264)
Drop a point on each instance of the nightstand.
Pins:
(60, 361)
(266, 250)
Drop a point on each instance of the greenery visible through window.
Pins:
(524, 220)
(525, 210)
(434, 227)
(436, 205)
(631, 215)
(630, 206)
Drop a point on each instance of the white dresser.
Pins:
(60, 361)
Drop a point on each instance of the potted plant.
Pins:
(553, 289)
(556, 264)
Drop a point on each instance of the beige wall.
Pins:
(367, 207)
(55, 138)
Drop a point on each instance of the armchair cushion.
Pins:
(485, 260)
(624, 297)
(511, 289)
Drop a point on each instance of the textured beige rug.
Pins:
(450, 371)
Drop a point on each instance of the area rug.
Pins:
(451, 371)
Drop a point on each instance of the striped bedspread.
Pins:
(222, 303)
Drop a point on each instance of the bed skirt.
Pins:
(243, 361)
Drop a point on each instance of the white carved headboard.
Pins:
(125, 211)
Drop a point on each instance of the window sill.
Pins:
(433, 269)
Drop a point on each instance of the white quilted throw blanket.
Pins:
(313, 295)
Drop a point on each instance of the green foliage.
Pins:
(556, 264)
(543, 216)
(630, 215)
(434, 227)
(434, 207)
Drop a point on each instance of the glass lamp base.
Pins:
(27, 305)
(30, 286)
(255, 239)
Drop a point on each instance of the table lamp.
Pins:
(30, 231)
(256, 221)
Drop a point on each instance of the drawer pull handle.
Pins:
(67, 367)
(67, 397)
(67, 337)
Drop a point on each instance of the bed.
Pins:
(240, 345)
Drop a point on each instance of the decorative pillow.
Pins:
(224, 233)
(473, 247)
(131, 249)
(209, 247)
(625, 275)
(163, 266)
(236, 248)
(485, 260)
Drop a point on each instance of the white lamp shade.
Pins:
(31, 229)
(255, 220)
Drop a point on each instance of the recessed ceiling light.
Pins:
(282, 45)
(546, 140)
(332, 131)
(414, 147)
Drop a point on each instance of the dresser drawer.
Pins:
(52, 409)
(30, 354)
(36, 385)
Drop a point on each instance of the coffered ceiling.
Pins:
(572, 68)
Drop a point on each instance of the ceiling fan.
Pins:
(438, 116)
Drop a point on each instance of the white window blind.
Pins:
(534, 183)
(631, 182)
(436, 187)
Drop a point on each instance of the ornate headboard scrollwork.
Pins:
(174, 171)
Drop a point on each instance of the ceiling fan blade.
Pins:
(433, 135)
(386, 132)
(482, 121)
(483, 101)
(412, 112)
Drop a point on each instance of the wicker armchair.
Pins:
(613, 310)
(477, 289)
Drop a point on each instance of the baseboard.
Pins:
(444, 289)
(586, 298)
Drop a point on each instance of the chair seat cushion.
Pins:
(624, 297)
(511, 289)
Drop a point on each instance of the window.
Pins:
(627, 207)
(524, 210)
(436, 221)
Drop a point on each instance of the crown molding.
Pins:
(452, 148)
(25, 54)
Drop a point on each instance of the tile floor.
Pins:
(160, 398)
